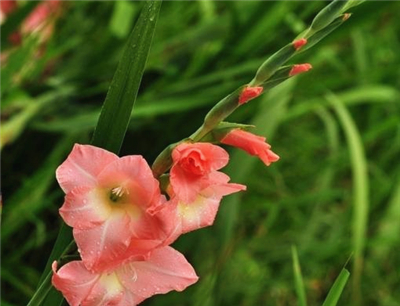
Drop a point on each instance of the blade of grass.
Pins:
(360, 189)
(298, 278)
(387, 237)
(114, 118)
(122, 18)
(31, 193)
(337, 288)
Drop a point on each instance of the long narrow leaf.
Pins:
(337, 289)
(360, 189)
(121, 96)
(298, 278)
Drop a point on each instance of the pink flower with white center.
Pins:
(107, 201)
(196, 187)
(252, 144)
(127, 285)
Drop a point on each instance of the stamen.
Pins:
(117, 193)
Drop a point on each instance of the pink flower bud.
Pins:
(296, 69)
(297, 44)
(252, 144)
(249, 93)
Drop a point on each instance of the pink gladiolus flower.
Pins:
(192, 165)
(107, 201)
(127, 285)
(252, 144)
(189, 216)
(196, 187)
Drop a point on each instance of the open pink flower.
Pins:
(189, 216)
(192, 164)
(127, 285)
(196, 187)
(107, 201)
(252, 144)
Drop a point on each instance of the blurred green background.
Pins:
(336, 129)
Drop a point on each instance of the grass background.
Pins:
(336, 128)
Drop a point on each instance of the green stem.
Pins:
(46, 285)
(42, 291)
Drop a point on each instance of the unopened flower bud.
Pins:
(299, 69)
(346, 16)
(297, 44)
(249, 93)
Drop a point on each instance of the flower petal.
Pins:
(219, 186)
(166, 269)
(74, 281)
(213, 156)
(252, 144)
(102, 247)
(85, 207)
(199, 214)
(135, 176)
(186, 187)
(108, 290)
(192, 164)
(82, 166)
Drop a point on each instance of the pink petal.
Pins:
(85, 207)
(74, 281)
(201, 212)
(82, 166)
(252, 144)
(102, 247)
(166, 269)
(107, 291)
(219, 186)
(249, 93)
(135, 176)
(198, 214)
(186, 187)
(192, 163)
(213, 156)
(268, 157)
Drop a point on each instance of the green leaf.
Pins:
(337, 289)
(360, 190)
(328, 14)
(14, 21)
(122, 18)
(121, 96)
(298, 278)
